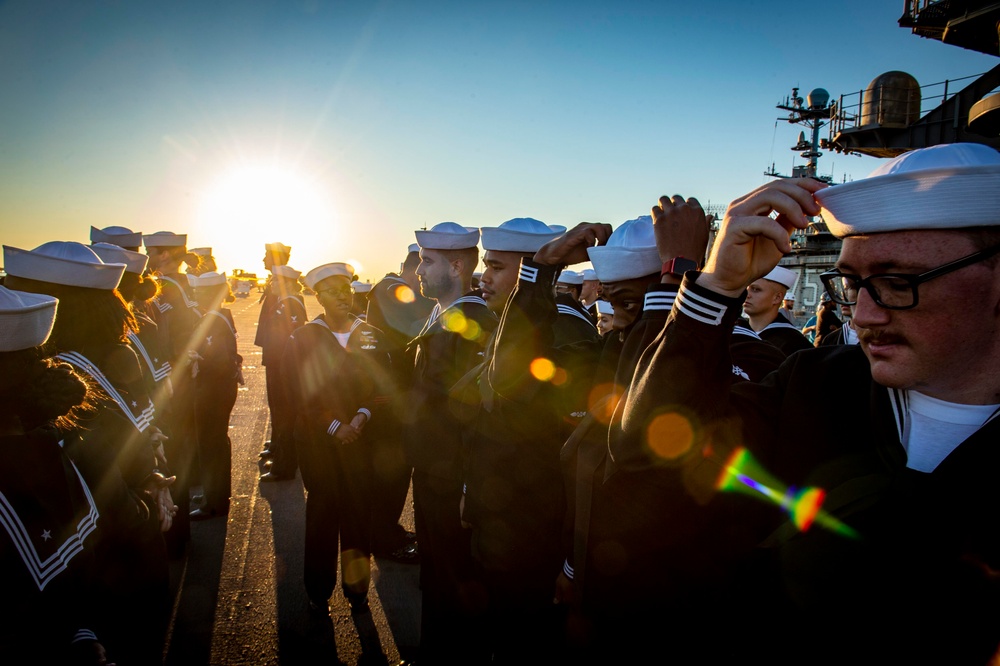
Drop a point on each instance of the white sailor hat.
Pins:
(320, 273)
(201, 251)
(361, 287)
(120, 236)
(590, 274)
(941, 187)
(782, 276)
(25, 319)
(413, 247)
(521, 234)
(448, 236)
(63, 262)
(630, 252)
(570, 277)
(286, 272)
(604, 308)
(164, 239)
(209, 279)
(135, 262)
(789, 295)
(277, 248)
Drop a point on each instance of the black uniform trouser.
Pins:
(452, 601)
(182, 456)
(337, 478)
(391, 483)
(282, 446)
(213, 407)
(523, 625)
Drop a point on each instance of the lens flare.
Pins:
(404, 294)
(473, 331)
(602, 400)
(742, 473)
(454, 321)
(542, 369)
(670, 435)
(356, 568)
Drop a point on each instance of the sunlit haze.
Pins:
(339, 128)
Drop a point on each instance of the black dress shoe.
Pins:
(272, 475)
(406, 554)
(319, 608)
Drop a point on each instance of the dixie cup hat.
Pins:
(942, 187)
(521, 234)
(629, 253)
(25, 319)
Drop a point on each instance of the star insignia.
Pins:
(135, 404)
(156, 360)
(46, 535)
(295, 318)
(208, 339)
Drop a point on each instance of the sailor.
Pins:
(396, 307)
(450, 344)
(615, 533)
(788, 308)
(275, 254)
(906, 526)
(206, 262)
(359, 308)
(590, 293)
(591, 290)
(117, 450)
(216, 369)
(513, 498)
(289, 314)
(827, 321)
(49, 511)
(762, 305)
(121, 236)
(336, 371)
(605, 315)
(846, 334)
(177, 316)
(138, 290)
(570, 283)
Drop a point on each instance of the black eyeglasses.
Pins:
(893, 291)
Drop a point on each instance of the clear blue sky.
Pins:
(375, 119)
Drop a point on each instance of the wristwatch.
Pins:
(678, 266)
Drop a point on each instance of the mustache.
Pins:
(871, 337)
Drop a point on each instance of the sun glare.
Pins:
(252, 205)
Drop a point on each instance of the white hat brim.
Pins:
(783, 276)
(944, 198)
(614, 264)
(508, 240)
(320, 273)
(58, 270)
(133, 239)
(442, 240)
(28, 325)
(210, 279)
(164, 239)
(135, 262)
(286, 272)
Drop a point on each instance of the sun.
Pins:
(249, 205)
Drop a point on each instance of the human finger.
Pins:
(793, 197)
